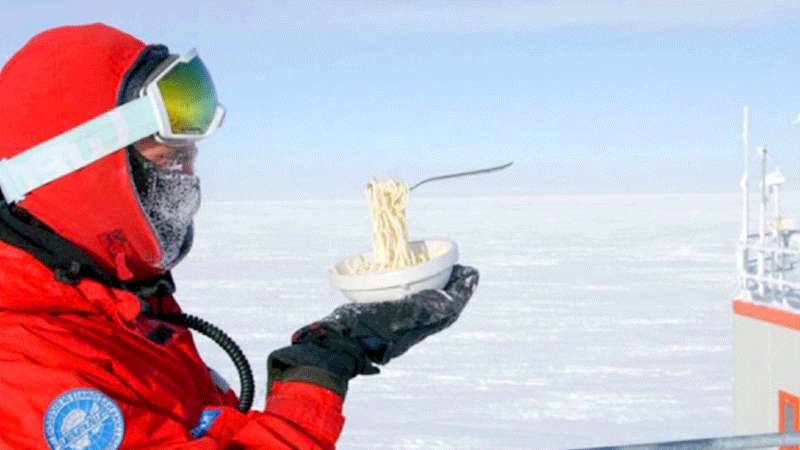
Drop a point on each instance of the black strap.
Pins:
(68, 262)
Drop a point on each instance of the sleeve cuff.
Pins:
(317, 376)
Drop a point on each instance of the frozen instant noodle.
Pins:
(390, 247)
(396, 267)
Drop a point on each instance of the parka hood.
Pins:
(58, 80)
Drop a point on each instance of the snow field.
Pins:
(599, 319)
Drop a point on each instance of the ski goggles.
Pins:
(182, 93)
(177, 105)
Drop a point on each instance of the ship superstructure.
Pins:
(767, 307)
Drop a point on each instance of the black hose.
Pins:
(223, 340)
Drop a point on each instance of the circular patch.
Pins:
(83, 419)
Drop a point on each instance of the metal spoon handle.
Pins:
(461, 174)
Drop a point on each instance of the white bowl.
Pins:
(394, 285)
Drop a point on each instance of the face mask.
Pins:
(170, 199)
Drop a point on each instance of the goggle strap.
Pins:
(77, 148)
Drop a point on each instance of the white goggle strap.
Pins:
(77, 148)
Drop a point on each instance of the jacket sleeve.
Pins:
(297, 416)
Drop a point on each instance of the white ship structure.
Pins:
(766, 309)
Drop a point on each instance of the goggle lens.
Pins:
(189, 97)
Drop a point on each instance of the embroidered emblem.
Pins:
(83, 419)
(204, 424)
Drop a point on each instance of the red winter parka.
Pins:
(80, 366)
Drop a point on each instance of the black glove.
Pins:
(347, 342)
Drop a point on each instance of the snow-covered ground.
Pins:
(599, 319)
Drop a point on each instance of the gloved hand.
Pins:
(356, 336)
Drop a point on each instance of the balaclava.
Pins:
(169, 198)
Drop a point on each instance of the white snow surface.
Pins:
(599, 320)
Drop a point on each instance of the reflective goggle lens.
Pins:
(189, 97)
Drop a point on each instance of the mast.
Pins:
(745, 188)
(762, 221)
(744, 183)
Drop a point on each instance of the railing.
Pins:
(727, 443)
(773, 275)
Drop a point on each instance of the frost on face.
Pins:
(170, 199)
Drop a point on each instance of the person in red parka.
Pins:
(89, 232)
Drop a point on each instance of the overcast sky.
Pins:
(584, 96)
